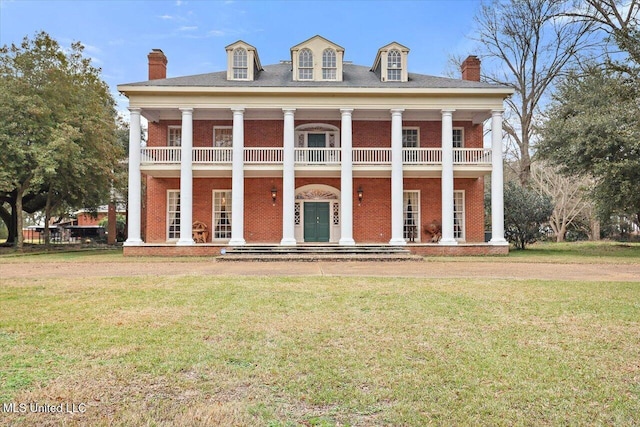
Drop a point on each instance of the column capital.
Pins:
(397, 111)
(288, 110)
(135, 110)
(447, 111)
(237, 110)
(346, 111)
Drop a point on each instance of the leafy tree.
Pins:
(592, 128)
(525, 212)
(57, 127)
(527, 47)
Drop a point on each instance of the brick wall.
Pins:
(269, 133)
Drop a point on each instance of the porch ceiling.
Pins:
(474, 115)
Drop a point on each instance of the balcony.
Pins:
(213, 161)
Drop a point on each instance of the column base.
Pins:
(237, 242)
(187, 242)
(347, 242)
(498, 242)
(288, 242)
(133, 242)
(448, 242)
(397, 242)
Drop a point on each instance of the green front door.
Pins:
(316, 221)
(316, 140)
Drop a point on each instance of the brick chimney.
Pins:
(471, 68)
(157, 65)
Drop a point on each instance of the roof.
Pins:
(279, 75)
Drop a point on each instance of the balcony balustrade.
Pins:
(315, 156)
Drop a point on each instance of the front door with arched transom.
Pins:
(316, 222)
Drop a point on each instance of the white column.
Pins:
(497, 181)
(288, 179)
(447, 178)
(135, 181)
(346, 179)
(237, 179)
(186, 179)
(397, 187)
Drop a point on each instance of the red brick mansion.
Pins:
(314, 149)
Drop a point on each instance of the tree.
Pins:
(528, 46)
(569, 195)
(592, 128)
(57, 126)
(525, 212)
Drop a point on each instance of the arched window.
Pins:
(394, 65)
(305, 65)
(240, 67)
(329, 68)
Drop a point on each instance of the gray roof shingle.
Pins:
(279, 75)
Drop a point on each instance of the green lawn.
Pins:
(321, 351)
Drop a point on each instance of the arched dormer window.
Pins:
(240, 64)
(305, 65)
(329, 66)
(394, 65)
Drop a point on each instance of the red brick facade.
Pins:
(263, 219)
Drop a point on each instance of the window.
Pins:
(458, 215)
(410, 138)
(411, 215)
(240, 68)
(174, 136)
(458, 142)
(223, 136)
(329, 67)
(394, 65)
(173, 214)
(458, 138)
(221, 214)
(305, 65)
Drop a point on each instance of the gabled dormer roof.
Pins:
(322, 40)
(390, 46)
(249, 48)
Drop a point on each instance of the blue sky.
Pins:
(119, 34)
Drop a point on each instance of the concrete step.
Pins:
(320, 252)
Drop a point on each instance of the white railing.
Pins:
(371, 156)
(160, 155)
(472, 156)
(422, 156)
(212, 155)
(263, 155)
(317, 156)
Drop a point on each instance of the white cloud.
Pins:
(192, 28)
(166, 17)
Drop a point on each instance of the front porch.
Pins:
(315, 252)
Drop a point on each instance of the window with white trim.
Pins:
(221, 214)
(240, 67)
(458, 215)
(458, 137)
(305, 64)
(410, 138)
(174, 136)
(411, 214)
(173, 214)
(394, 65)
(329, 65)
(222, 136)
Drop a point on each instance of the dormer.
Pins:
(317, 59)
(390, 64)
(243, 62)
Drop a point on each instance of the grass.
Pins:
(321, 351)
